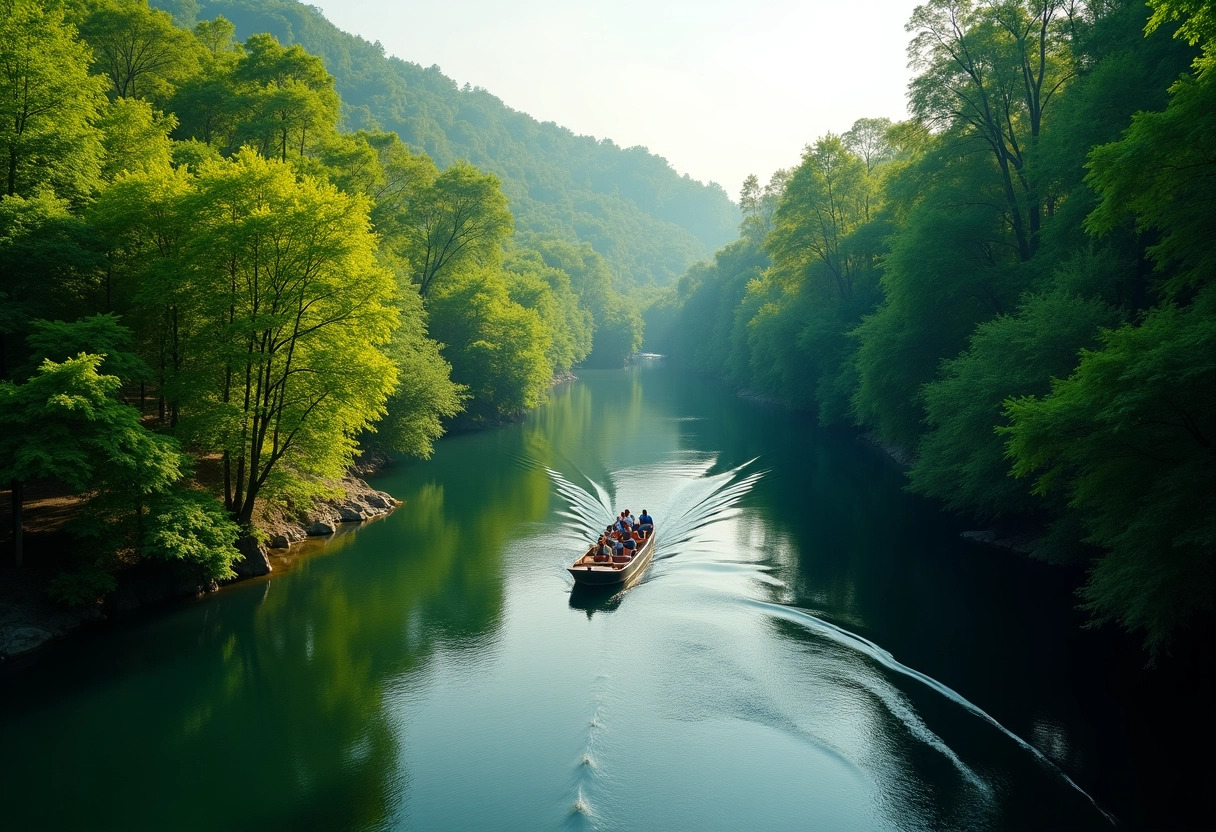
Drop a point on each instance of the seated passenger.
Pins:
(602, 550)
(645, 521)
(630, 546)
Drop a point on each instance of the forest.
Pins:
(215, 298)
(240, 248)
(1013, 287)
(647, 222)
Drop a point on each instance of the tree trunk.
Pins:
(18, 499)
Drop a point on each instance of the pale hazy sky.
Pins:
(720, 88)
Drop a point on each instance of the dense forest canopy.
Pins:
(647, 221)
(1015, 285)
(240, 248)
(207, 280)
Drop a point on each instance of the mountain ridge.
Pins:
(648, 221)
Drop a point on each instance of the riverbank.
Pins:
(30, 620)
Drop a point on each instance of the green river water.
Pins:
(811, 649)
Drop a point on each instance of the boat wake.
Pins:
(694, 499)
(853, 642)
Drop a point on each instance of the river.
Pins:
(812, 648)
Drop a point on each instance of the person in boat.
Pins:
(602, 550)
(618, 548)
(645, 522)
(630, 546)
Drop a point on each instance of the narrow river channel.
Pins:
(812, 648)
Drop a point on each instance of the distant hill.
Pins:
(647, 221)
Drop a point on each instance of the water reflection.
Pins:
(593, 599)
(811, 648)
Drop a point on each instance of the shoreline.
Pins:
(29, 620)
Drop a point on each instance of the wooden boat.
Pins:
(616, 571)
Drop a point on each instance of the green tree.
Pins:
(206, 103)
(759, 204)
(290, 98)
(535, 285)
(102, 335)
(425, 394)
(867, 139)
(135, 137)
(497, 347)
(147, 225)
(51, 265)
(458, 221)
(138, 49)
(961, 458)
(285, 364)
(991, 71)
(1159, 173)
(825, 200)
(1197, 20)
(217, 36)
(65, 422)
(1126, 440)
(952, 263)
(48, 102)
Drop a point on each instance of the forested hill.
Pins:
(648, 221)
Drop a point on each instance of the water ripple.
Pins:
(702, 500)
(862, 645)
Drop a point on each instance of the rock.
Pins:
(194, 587)
(279, 541)
(379, 500)
(319, 529)
(350, 512)
(255, 561)
(23, 638)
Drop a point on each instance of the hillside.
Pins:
(648, 221)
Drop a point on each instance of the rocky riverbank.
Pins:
(28, 620)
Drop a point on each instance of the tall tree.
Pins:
(497, 347)
(291, 98)
(868, 139)
(138, 49)
(990, 70)
(1127, 441)
(48, 102)
(459, 220)
(286, 367)
(825, 200)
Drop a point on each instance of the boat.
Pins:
(617, 571)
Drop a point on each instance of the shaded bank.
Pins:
(29, 619)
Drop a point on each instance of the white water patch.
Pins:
(695, 498)
(586, 770)
(901, 709)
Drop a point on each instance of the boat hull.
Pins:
(606, 575)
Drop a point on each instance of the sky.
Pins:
(720, 89)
